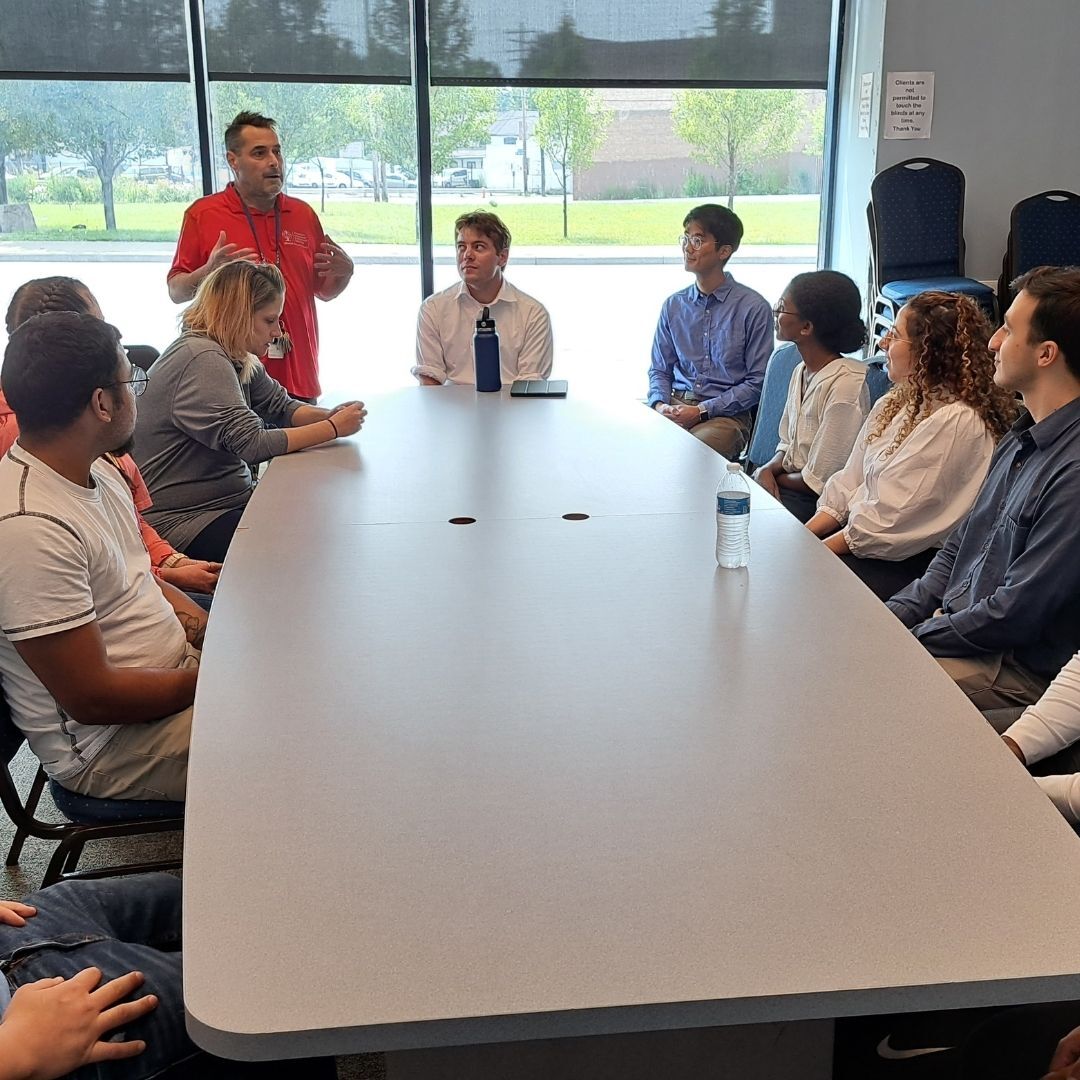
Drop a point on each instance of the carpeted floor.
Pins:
(16, 882)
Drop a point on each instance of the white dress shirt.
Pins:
(895, 505)
(1048, 726)
(822, 416)
(447, 322)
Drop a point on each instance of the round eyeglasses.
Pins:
(137, 382)
(695, 242)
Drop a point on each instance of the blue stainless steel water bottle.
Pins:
(486, 354)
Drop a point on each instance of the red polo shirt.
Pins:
(301, 236)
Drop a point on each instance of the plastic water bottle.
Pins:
(733, 518)
(486, 354)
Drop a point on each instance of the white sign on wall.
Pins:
(866, 103)
(909, 104)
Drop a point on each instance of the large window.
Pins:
(539, 113)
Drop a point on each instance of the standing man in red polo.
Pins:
(254, 219)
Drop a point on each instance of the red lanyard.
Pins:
(277, 230)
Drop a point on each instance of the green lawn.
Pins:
(639, 223)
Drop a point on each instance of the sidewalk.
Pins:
(132, 251)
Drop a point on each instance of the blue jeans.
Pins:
(117, 925)
(121, 925)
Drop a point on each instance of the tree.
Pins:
(385, 119)
(570, 127)
(311, 119)
(450, 40)
(734, 129)
(559, 55)
(24, 126)
(109, 123)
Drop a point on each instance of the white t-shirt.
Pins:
(72, 555)
(822, 416)
(894, 505)
(447, 323)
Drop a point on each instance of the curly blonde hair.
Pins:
(950, 338)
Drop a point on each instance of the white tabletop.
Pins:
(533, 777)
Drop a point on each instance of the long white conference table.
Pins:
(552, 773)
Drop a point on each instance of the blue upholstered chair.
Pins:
(916, 220)
(877, 379)
(89, 818)
(1044, 230)
(774, 390)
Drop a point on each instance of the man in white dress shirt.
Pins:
(447, 321)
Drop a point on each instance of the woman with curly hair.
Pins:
(820, 314)
(924, 450)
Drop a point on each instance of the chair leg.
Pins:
(64, 860)
(38, 785)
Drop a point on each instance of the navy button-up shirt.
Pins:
(714, 346)
(1008, 578)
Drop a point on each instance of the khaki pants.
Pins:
(995, 681)
(142, 761)
(727, 435)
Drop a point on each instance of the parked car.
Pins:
(358, 178)
(453, 178)
(309, 176)
(397, 180)
(151, 174)
(81, 172)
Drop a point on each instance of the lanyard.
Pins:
(277, 230)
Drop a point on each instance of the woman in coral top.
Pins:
(42, 295)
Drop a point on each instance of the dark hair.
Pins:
(47, 294)
(487, 224)
(831, 301)
(52, 366)
(244, 119)
(719, 222)
(1056, 318)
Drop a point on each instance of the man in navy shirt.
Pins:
(999, 607)
(713, 339)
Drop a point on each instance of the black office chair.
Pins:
(1044, 230)
(89, 818)
(916, 221)
(142, 356)
(766, 433)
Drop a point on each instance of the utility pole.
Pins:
(524, 144)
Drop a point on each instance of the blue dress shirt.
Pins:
(714, 346)
(1008, 578)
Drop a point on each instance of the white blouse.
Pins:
(822, 416)
(895, 505)
(1048, 726)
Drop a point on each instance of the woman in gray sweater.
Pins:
(203, 421)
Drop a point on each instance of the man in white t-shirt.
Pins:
(447, 321)
(98, 658)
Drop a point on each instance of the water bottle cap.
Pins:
(734, 466)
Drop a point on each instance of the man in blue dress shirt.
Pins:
(999, 607)
(713, 339)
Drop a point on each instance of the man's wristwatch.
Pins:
(702, 415)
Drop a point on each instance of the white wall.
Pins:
(1007, 83)
(856, 161)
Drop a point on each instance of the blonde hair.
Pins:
(225, 304)
(952, 361)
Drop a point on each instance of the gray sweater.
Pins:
(198, 433)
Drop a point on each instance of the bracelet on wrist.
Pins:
(330, 421)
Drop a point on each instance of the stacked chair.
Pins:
(916, 219)
(1044, 230)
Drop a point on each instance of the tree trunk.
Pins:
(565, 226)
(732, 177)
(107, 199)
(3, 179)
(543, 172)
(322, 190)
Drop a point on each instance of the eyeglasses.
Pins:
(781, 310)
(695, 242)
(137, 382)
(892, 335)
